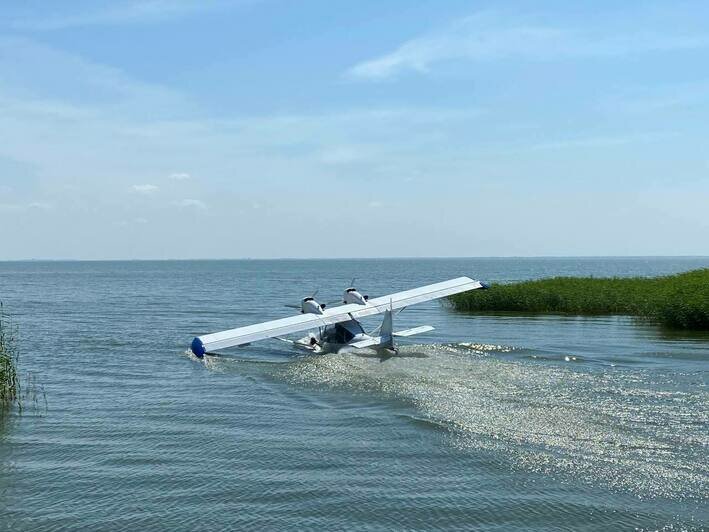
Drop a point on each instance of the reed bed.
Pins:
(678, 301)
(28, 396)
(9, 383)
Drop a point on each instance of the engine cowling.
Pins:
(310, 306)
(351, 295)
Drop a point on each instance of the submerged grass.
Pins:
(679, 301)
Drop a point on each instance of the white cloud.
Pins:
(24, 207)
(134, 221)
(489, 36)
(342, 155)
(12, 207)
(603, 142)
(653, 99)
(375, 204)
(180, 176)
(145, 189)
(39, 205)
(44, 72)
(190, 203)
(113, 13)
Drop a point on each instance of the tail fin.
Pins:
(386, 331)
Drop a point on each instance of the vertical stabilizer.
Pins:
(386, 330)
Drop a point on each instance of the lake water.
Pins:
(496, 422)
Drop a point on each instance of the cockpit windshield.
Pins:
(344, 332)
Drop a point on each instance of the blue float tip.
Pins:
(198, 348)
(484, 285)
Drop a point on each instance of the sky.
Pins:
(162, 129)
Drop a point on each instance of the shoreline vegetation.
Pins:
(13, 395)
(678, 301)
(9, 382)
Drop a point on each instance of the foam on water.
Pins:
(620, 429)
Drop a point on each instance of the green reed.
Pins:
(28, 396)
(9, 356)
(679, 301)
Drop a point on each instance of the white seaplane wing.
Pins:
(416, 295)
(269, 329)
(330, 316)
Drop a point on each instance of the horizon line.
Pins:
(403, 257)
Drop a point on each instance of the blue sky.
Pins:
(246, 128)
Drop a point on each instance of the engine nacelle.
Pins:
(310, 306)
(351, 295)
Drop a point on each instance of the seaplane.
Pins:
(337, 329)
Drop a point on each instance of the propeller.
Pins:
(299, 306)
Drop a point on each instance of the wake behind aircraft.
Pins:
(335, 329)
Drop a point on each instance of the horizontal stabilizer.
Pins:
(415, 330)
(377, 340)
(369, 342)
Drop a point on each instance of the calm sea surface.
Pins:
(486, 423)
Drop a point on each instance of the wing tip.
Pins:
(198, 347)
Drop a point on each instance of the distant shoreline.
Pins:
(490, 257)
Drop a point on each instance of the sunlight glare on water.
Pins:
(611, 428)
